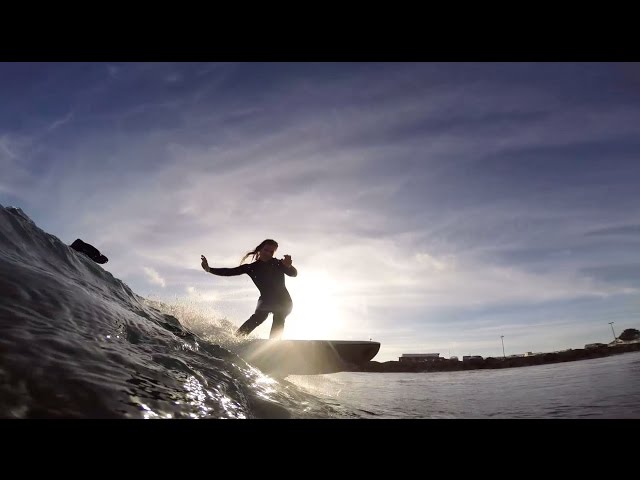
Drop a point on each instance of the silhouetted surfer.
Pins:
(268, 275)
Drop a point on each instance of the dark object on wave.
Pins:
(89, 250)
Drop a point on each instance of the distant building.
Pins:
(420, 357)
(466, 358)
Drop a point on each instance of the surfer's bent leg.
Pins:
(279, 316)
(254, 320)
(277, 326)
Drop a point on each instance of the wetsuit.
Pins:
(274, 297)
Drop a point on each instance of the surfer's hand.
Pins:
(286, 261)
(204, 263)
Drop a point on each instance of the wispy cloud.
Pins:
(174, 77)
(113, 70)
(154, 277)
(57, 123)
(632, 230)
(16, 179)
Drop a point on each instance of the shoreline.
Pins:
(446, 365)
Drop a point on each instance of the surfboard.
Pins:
(307, 357)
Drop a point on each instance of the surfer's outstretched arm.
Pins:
(223, 272)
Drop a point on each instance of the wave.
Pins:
(76, 342)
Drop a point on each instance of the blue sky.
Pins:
(430, 206)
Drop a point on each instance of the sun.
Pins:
(317, 311)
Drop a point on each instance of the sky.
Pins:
(433, 207)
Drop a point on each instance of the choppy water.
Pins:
(598, 388)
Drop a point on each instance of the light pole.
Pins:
(614, 333)
(502, 339)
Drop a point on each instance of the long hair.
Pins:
(256, 251)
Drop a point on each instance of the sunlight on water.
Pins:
(203, 320)
(148, 413)
(196, 394)
(265, 386)
(317, 384)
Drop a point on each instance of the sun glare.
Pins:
(317, 312)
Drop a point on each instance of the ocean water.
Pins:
(597, 388)
(76, 342)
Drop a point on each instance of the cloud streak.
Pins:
(154, 277)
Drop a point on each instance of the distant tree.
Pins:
(630, 334)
